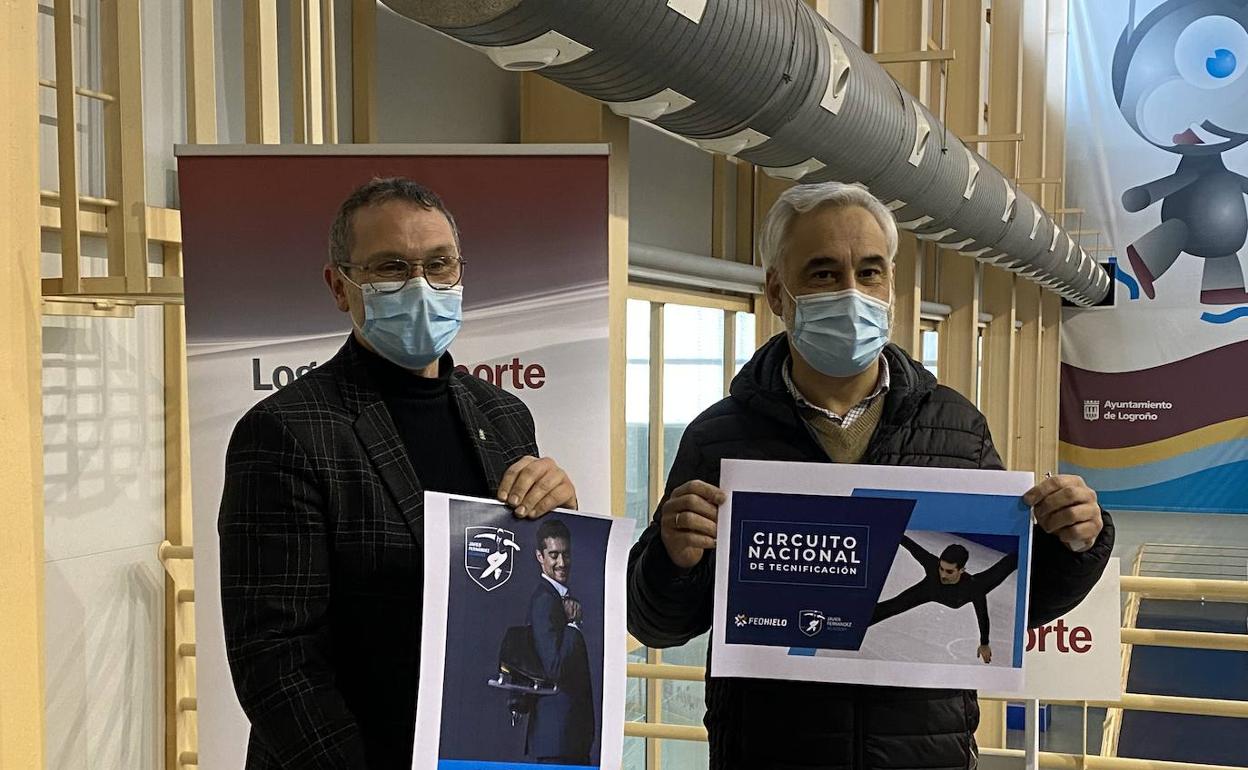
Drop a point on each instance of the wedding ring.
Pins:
(679, 528)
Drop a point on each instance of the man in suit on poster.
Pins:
(561, 726)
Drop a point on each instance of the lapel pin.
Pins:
(481, 433)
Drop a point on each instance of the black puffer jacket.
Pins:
(773, 725)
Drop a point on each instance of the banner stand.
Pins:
(1031, 739)
(536, 311)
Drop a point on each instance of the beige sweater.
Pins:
(846, 445)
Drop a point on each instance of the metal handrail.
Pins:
(1186, 588)
(1049, 759)
(1168, 704)
(1199, 640)
(664, 731)
(1137, 587)
(668, 671)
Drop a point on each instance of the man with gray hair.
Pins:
(833, 389)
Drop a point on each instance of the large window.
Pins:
(683, 350)
(930, 344)
(637, 412)
(979, 367)
(693, 369)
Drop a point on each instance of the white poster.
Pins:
(872, 574)
(523, 657)
(1079, 655)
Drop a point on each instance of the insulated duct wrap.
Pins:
(772, 83)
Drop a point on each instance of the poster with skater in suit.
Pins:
(523, 658)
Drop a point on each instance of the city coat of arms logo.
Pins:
(1091, 410)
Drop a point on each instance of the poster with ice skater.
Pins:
(524, 645)
(872, 575)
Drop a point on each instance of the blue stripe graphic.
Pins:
(1147, 474)
(1213, 490)
(472, 764)
(1127, 279)
(1225, 318)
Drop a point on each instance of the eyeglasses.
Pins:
(391, 275)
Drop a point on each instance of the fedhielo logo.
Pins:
(810, 622)
(489, 555)
(741, 620)
(1091, 410)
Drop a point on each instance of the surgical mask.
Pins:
(413, 326)
(839, 333)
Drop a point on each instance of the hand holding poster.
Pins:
(872, 575)
(523, 655)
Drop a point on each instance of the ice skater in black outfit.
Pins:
(947, 582)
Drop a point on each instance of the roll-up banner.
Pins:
(255, 221)
(1154, 414)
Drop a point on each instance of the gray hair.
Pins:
(802, 198)
(374, 193)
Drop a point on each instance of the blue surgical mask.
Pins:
(413, 326)
(839, 333)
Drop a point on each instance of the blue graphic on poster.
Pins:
(793, 550)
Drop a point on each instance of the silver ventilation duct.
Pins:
(772, 83)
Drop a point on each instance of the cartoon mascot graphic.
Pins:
(1181, 80)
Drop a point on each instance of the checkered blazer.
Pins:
(321, 539)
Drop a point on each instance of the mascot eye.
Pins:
(1222, 64)
(1212, 52)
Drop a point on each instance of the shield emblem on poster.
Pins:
(489, 555)
(810, 622)
(1091, 410)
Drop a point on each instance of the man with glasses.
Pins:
(321, 525)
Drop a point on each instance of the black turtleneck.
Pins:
(428, 421)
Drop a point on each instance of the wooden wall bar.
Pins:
(21, 413)
(260, 71)
(904, 26)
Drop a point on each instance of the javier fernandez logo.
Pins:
(742, 620)
(1091, 410)
(489, 555)
(810, 622)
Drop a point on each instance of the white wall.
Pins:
(434, 89)
(846, 16)
(103, 406)
(104, 591)
(669, 191)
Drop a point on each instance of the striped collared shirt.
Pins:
(881, 387)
